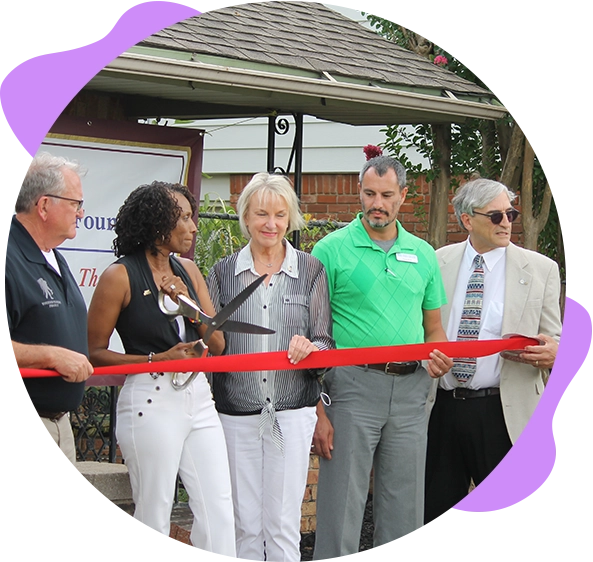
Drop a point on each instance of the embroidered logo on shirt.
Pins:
(45, 288)
(48, 293)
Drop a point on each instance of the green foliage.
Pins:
(389, 30)
(550, 238)
(466, 150)
(182, 495)
(216, 237)
(315, 230)
(219, 234)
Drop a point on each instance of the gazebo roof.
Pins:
(309, 37)
(286, 57)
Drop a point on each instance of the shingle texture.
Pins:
(310, 37)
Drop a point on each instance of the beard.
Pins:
(378, 223)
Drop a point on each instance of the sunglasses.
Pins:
(79, 202)
(496, 216)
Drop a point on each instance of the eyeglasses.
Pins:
(496, 216)
(80, 202)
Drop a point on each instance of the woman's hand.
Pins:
(299, 348)
(183, 350)
(173, 286)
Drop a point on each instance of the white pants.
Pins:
(162, 431)
(268, 488)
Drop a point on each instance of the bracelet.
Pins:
(153, 375)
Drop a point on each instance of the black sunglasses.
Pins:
(496, 216)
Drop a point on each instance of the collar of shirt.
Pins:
(491, 258)
(26, 243)
(361, 238)
(290, 265)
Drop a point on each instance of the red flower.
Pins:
(370, 151)
(440, 60)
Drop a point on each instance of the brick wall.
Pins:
(335, 196)
(308, 520)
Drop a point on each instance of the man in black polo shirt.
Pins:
(46, 312)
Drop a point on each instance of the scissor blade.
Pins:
(245, 328)
(218, 320)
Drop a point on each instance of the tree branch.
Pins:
(512, 165)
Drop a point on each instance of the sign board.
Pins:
(117, 158)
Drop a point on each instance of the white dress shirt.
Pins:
(488, 368)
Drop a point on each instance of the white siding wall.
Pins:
(234, 146)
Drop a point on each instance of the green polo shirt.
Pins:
(378, 298)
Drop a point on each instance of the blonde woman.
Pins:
(269, 416)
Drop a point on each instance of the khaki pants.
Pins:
(61, 431)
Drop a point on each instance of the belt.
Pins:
(52, 416)
(461, 393)
(393, 368)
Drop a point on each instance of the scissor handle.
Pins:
(185, 307)
(164, 309)
(202, 349)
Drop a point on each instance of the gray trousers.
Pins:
(380, 422)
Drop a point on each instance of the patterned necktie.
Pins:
(464, 368)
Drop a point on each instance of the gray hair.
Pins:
(267, 185)
(476, 194)
(44, 176)
(382, 164)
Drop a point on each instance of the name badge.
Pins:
(409, 258)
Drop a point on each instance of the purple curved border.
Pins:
(73, 69)
(530, 461)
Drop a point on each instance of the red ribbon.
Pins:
(278, 360)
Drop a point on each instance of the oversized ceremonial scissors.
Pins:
(189, 309)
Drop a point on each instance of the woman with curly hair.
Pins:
(163, 430)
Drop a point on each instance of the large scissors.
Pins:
(189, 309)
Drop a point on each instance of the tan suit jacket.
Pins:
(531, 307)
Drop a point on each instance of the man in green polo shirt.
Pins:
(385, 289)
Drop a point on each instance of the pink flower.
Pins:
(440, 60)
(370, 151)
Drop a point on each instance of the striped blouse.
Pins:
(294, 302)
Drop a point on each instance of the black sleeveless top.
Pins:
(142, 326)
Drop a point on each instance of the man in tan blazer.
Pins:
(480, 407)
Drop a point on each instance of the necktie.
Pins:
(464, 368)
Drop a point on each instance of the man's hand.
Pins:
(72, 366)
(541, 356)
(323, 438)
(438, 364)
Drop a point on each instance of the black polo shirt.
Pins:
(44, 308)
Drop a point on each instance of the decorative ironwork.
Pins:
(93, 424)
(281, 126)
